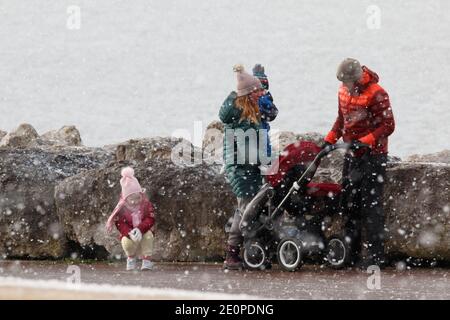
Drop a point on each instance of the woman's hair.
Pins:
(250, 111)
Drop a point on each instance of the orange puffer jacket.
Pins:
(366, 116)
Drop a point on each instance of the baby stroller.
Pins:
(298, 234)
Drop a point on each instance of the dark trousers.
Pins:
(362, 204)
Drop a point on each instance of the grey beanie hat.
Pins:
(349, 70)
(246, 83)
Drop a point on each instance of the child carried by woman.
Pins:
(267, 108)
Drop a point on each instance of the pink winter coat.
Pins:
(124, 219)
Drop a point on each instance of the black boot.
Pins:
(233, 260)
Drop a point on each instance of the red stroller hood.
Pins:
(300, 152)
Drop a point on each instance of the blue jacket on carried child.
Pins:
(267, 108)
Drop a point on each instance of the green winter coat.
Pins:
(244, 176)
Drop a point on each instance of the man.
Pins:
(364, 115)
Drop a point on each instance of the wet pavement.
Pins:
(310, 282)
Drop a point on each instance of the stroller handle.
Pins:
(354, 145)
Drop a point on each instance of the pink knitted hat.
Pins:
(129, 183)
(246, 83)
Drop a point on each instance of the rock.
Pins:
(281, 139)
(152, 148)
(29, 226)
(186, 194)
(56, 196)
(213, 142)
(66, 136)
(439, 157)
(192, 204)
(2, 134)
(216, 124)
(417, 206)
(21, 137)
(212, 130)
(392, 158)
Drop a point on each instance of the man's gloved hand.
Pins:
(368, 140)
(135, 235)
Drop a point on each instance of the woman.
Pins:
(242, 143)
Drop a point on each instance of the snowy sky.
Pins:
(143, 68)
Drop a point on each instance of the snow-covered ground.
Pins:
(144, 68)
(50, 280)
(26, 289)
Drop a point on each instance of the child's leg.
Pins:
(146, 245)
(129, 246)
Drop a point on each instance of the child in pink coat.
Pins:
(134, 218)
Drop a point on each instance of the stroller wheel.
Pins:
(255, 256)
(338, 252)
(289, 254)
